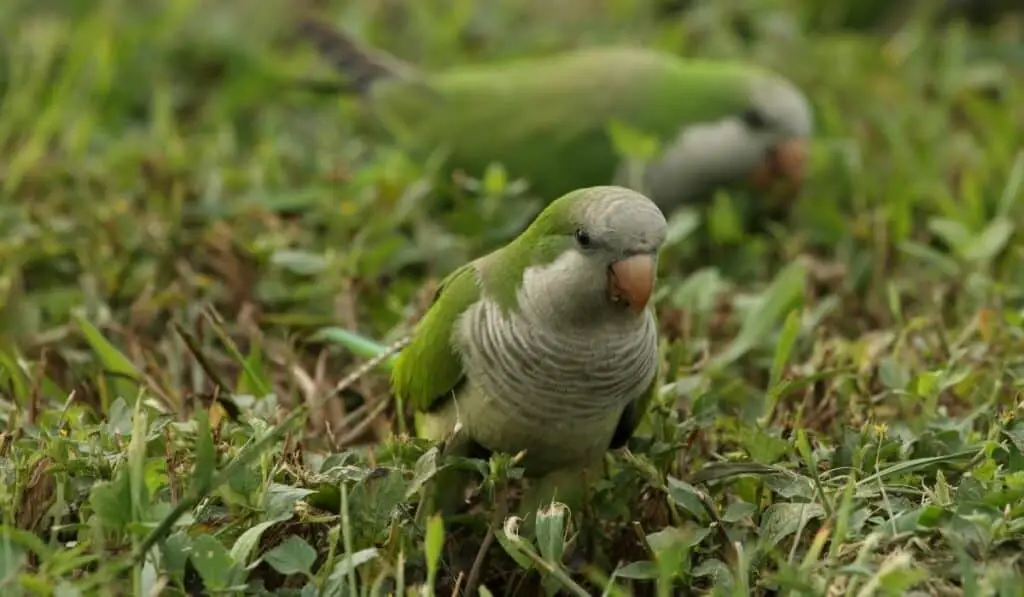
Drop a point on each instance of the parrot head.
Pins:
(777, 125)
(601, 246)
(762, 141)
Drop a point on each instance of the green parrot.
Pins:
(720, 124)
(546, 345)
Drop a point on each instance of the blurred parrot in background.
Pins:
(547, 345)
(720, 124)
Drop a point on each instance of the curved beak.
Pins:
(784, 162)
(632, 280)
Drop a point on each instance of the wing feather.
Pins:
(430, 368)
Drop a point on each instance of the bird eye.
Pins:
(582, 237)
(753, 119)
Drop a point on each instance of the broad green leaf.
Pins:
(782, 520)
(790, 485)
(175, 550)
(112, 500)
(763, 447)
(292, 556)
(685, 495)
(672, 537)
(425, 469)
(342, 567)
(737, 511)
(212, 561)
(719, 572)
(642, 570)
(279, 500)
(248, 540)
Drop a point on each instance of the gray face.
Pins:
(606, 278)
(709, 155)
(618, 223)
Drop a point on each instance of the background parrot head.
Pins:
(602, 243)
(761, 139)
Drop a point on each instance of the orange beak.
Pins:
(786, 161)
(632, 280)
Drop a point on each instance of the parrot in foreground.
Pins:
(548, 345)
(720, 123)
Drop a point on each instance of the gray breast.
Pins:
(536, 375)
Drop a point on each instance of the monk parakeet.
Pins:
(547, 119)
(546, 345)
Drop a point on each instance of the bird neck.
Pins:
(570, 295)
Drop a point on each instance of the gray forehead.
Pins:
(625, 214)
(783, 104)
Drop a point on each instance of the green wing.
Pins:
(430, 368)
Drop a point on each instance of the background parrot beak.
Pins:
(784, 162)
(632, 280)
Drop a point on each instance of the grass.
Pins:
(194, 253)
